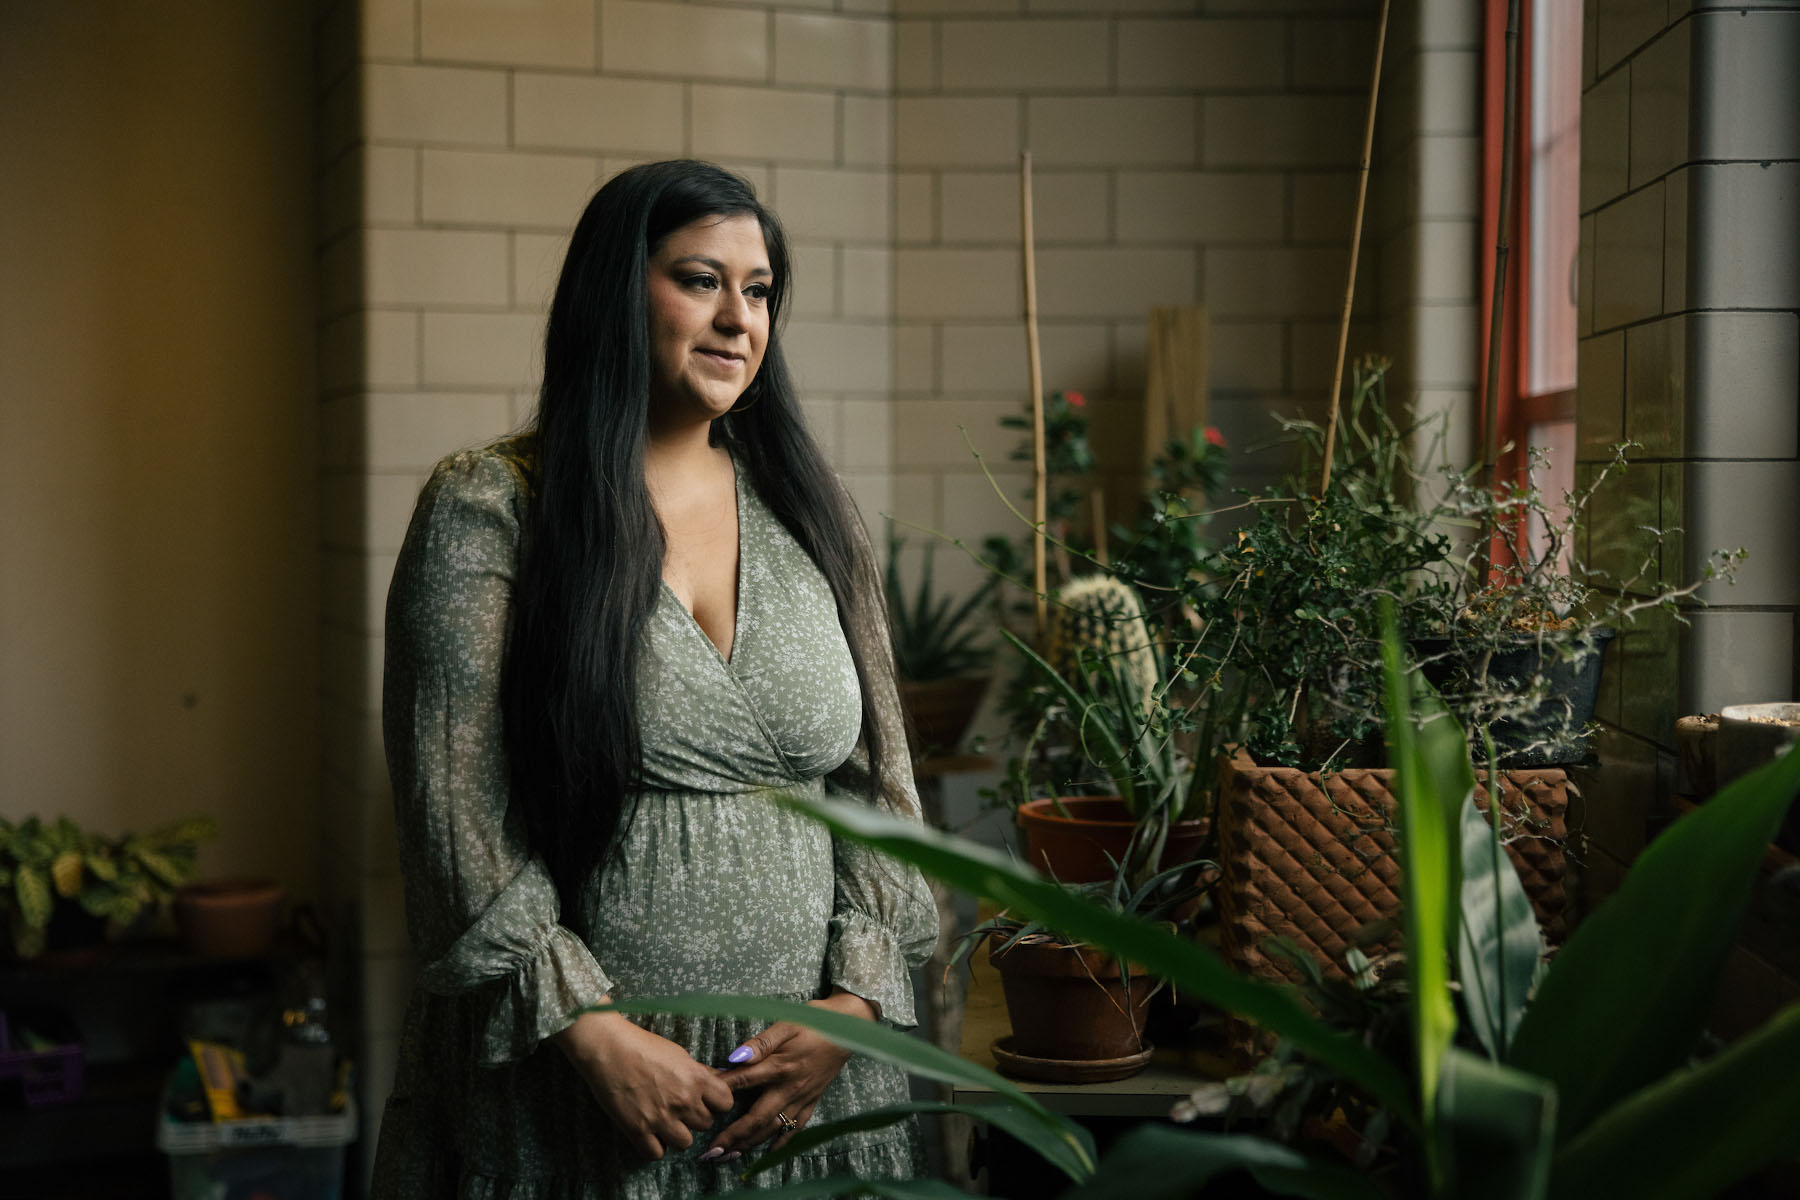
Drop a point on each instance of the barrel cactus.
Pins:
(1097, 621)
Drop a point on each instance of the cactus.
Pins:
(1098, 621)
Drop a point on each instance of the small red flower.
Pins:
(1214, 437)
(1075, 399)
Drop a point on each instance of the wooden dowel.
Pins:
(1362, 192)
(1097, 505)
(1035, 371)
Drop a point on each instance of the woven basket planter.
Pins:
(1311, 859)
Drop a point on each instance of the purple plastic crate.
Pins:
(46, 1077)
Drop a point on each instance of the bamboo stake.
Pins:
(1362, 192)
(1039, 473)
(1097, 505)
(1490, 456)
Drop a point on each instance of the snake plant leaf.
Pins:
(1193, 969)
(1624, 1001)
(1055, 1136)
(1432, 781)
(850, 1186)
(1498, 947)
(31, 884)
(1004, 1116)
(1159, 1162)
(65, 873)
(1500, 1126)
(1692, 1134)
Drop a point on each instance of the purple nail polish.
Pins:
(734, 1156)
(741, 1055)
(715, 1152)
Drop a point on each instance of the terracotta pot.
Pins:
(1068, 1003)
(1074, 848)
(229, 918)
(939, 711)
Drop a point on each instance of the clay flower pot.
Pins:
(1073, 1018)
(1074, 848)
(229, 918)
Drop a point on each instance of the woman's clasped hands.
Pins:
(659, 1097)
(653, 1090)
(793, 1065)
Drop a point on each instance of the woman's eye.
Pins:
(703, 283)
(757, 291)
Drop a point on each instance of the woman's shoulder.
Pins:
(502, 470)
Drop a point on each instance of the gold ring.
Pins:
(788, 1124)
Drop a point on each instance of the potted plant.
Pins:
(1510, 1079)
(1110, 725)
(940, 652)
(61, 885)
(1077, 1012)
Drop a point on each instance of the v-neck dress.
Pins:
(716, 887)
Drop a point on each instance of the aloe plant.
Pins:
(1582, 1088)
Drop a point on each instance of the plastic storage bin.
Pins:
(270, 1158)
(45, 1077)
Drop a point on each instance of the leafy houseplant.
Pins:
(1109, 722)
(1579, 1085)
(50, 867)
(940, 652)
(1078, 1013)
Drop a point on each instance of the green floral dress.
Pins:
(717, 888)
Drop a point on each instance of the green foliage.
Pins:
(935, 637)
(1290, 606)
(115, 878)
(1594, 1095)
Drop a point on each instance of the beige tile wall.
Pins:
(459, 141)
(1426, 216)
(1181, 155)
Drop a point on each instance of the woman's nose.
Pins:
(733, 312)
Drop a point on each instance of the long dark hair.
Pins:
(591, 559)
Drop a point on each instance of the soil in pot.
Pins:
(1073, 848)
(1068, 1004)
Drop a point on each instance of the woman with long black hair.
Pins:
(610, 639)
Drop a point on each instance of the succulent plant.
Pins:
(1097, 620)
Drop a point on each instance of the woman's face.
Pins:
(709, 316)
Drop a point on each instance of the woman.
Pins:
(609, 641)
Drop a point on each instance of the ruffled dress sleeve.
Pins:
(884, 922)
(481, 911)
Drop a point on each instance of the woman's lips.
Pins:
(721, 357)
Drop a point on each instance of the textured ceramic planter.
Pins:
(940, 710)
(1069, 1006)
(1073, 845)
(1311, 858)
